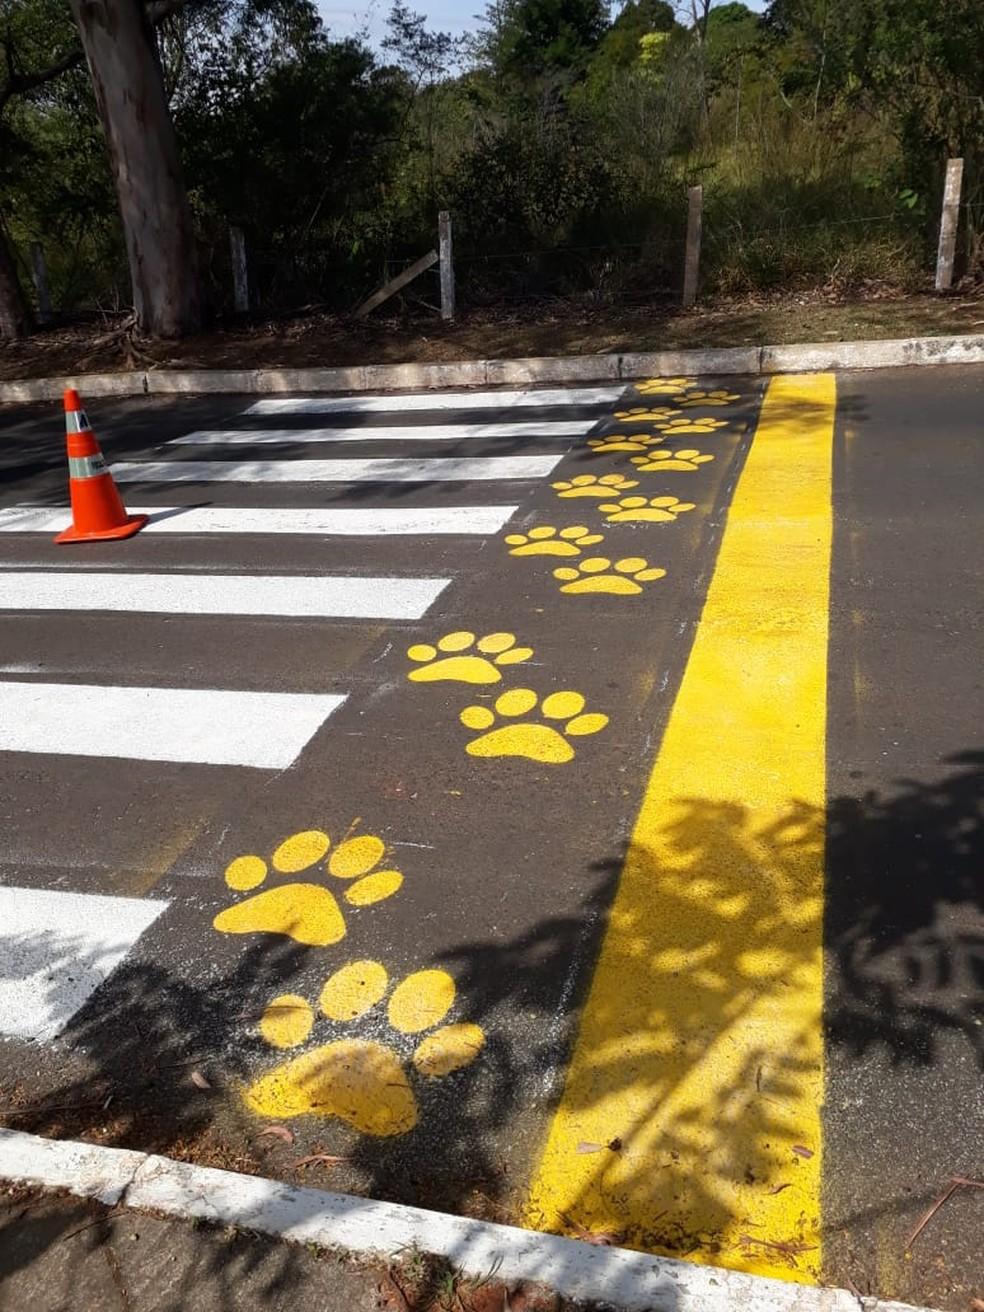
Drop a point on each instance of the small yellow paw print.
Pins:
(596, 575)
(306, 912)
(677, 427)
(642, 414)
(718, 397)
(529, 738)
(462, 665)
(588, 485)
(615, 442)
(639, 510)
(663, 386)
(360, 1081)
(547, 541)
(685, 460)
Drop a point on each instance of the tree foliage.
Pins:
(820, 130)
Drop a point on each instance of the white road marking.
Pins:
(299, 595)
(360, 521)
(337, 471)
(326, 405)
(56, 949)
(414, 433)
(265, 730)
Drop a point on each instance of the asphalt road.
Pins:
(640, 900)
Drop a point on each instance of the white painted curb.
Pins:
(814, 356)
(634, 1282)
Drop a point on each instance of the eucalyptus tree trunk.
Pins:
(126, 77)
(15, 313)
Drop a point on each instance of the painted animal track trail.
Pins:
(362, 1082)
(595, 575)
(306, 912)
(629, 442)
(452, 660)
(686, 461)
(532, 739)
(590, 485)
(548, 541)
(640, 510)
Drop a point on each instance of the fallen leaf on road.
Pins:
(199, 1080)
(778, 1188)
(602, 1237)
(277, 1132)
(585, 1147)
(323, 1159)
(800, 1151)
(956, 1182)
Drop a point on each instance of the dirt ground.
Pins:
(313, 338)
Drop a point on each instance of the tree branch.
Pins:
(16, 84)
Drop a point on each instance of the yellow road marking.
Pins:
(690, 1118)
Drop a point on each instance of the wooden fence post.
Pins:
(40, 269)
(240, 282)
(691, 268)
(948, 225)
(447, 267)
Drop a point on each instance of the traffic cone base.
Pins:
(134, 523)
(98, 513)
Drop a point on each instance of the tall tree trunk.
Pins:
(143, 150)
(15, 313)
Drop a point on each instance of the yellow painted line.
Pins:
(690, 1118)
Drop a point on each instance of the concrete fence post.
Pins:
(691, 268)
(240, 281)
(948, 225)
(39, 268)
(447, 265)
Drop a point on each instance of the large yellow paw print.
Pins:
(461, 665)
(641, 414)
(616, 442)
(589, 485)
(534, 740)
(547, 541)
(639, 510)
(654, 461)
(595, 575)
(676, 427)
(362, 1081)
(306, 912)
(717, 397)
(663, 386)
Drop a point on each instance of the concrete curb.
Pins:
(806, 358)
(633, 1282)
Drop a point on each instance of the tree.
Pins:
(531, 39)
(129, 90)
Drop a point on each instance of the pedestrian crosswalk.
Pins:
(312, 491)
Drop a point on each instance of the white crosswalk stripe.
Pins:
(327, 405)
(340, 521)
(325, 597)
(210, 726)
(57, 948)
(404, 433)
(469, 469)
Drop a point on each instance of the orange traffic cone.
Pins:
(97, 511)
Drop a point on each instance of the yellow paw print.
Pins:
(306, 912)
(663, 386)
(595, 575)
(615, 442)
(718, 397)
(362, 1081)
(642, 414)
(676, 427)
(639, 510)
(462, 665)
(536, 741)
(588, 485)
(546, 541)
(654, 461)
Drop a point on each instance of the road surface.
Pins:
(561, 806)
